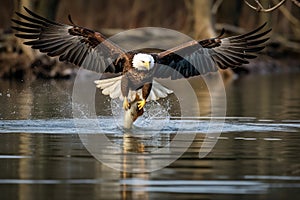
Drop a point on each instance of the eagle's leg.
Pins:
(145, 92)
(126, 104)
(125, 91)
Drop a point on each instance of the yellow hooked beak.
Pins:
(147, 65)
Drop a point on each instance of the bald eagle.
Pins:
(134, 71)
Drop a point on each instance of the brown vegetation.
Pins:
(197, 18)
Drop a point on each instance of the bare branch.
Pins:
(296, 2)
(259, 7)
(289, 16)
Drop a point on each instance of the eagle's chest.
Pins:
(138, 78)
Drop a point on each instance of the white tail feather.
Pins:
(112, 87)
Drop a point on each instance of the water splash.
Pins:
(156, 117)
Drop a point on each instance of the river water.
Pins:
(42, 156)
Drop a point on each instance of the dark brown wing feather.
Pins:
(197, 58)
(72, 43)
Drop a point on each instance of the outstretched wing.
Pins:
(199, 58)
(78, 45)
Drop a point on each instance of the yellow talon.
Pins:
(141, 104)
(126, 104)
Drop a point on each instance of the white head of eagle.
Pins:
(142, 61)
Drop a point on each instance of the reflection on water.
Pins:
(269, 96)
(256, 157)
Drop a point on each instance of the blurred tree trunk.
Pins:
(27, 50)
(265, 17)
(19, 4)
(203, 23)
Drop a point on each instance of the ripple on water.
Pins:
(107, 125)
